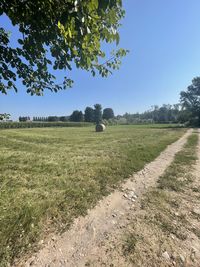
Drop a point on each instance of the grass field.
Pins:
(50, 176)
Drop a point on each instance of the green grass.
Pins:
(50, 176)
(172, 180)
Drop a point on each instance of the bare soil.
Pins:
(94, 240)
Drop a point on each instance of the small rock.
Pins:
(114, 215)
(131, 194)
(182, 258)
(166, 256)
(31, 263)
(41, 242)
(172, 236)
(192, 256)
(194, 249)
(196, 211)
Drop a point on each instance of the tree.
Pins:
(52, 118)
(57, 34)
(23, 119)
(76, 116)
(97, 113)
(4, 116)
(63, 118)
(89, 114)
(108, 113)
(190, 100)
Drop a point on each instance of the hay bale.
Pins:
(100, 127)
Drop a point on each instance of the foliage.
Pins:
(4, 116)
(190, 100)
(89, 114)
(76, 116)
(97, 113)
(108, 113)
(24, 119)
(164, 114)
(50, 176)
(58, 34)
(51, 118)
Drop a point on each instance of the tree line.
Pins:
(95, 115)
(165, 114)
(91, 114)
(187, 111)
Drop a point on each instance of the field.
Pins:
(49, 176)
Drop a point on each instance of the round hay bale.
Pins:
(100, 127)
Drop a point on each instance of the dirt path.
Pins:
(84, 242)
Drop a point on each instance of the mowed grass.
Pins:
(50, 176)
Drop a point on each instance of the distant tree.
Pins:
(24, 119)
(184, 116)
(166, 113)
(81, 116)
(108, 113)
(89, 114)
(97, 113)
(76, 116)
(52, 118)
(4, 116)
(63, 118)
(190, 100)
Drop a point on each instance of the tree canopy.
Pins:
(76, 116)
(190, 100)
(97, 113)
(89, 114)
(58, 34)
(4, 116)
(108, 113)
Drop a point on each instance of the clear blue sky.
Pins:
(164, 39)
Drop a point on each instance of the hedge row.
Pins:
(14, 125)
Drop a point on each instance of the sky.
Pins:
(163, 37)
